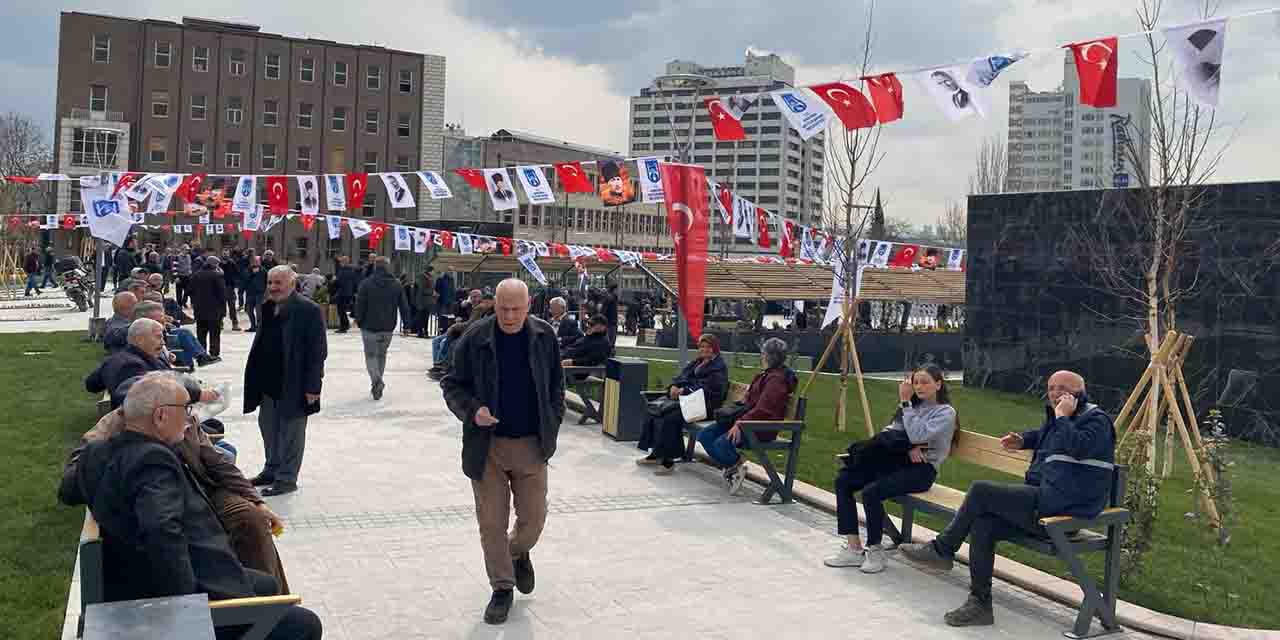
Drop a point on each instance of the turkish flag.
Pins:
(223, 209)
(853, 108)
(474, 177)
(446, 239)
(886, 93)
(559, 249)
(506, 246)
(906, 256)
(229, 228)
(356, 185)
(308, 219)
(278, 195)
(375, 236)
(1097, 65)
(685, 188)
(723, 124)
(603, 254)
(190, 186)
(788, 238)
(572, 179)
(68, 222)
(124, 182)
(726, 205)
(762, 224)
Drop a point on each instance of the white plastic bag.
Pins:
(694, 406)
(212, 408)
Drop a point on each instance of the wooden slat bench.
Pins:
(260, 614)
(1067, 537)
(580, 380)
(792, 426)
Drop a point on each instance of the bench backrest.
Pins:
(985, 451)
(795, 406)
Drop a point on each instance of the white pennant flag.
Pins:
(397, 190)
(542, 249)
(421, 238)
(84, 220)
(535, 185)
(955, 258)
(464, 243)
(186, 228)
(270, 221)
(137, 216)
(140, 189)
(436, 186)
(162, 188)
(404, 239)
(650, 180)
(252, 219)
(835, 306)
(359, 228)
(335, 196)
(204, 219)
(713, 190)
(334, 223)
(309, 194)
(808, 115)
(881, 257)
(246, 197)
(864, 251)
(50, 222)
(55, 177)
(218, 229)
(499, 187)
(744, 218)
(89, 182)
(1197, 55)
(529, 260)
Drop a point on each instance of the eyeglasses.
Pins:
(189, 409)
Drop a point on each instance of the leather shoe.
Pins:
(499, 607)
(524, 572)
(279, 489)
(262, 480)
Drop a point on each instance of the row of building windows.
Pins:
(85, 153)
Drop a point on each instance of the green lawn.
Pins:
(44, 410)
(1182, 564)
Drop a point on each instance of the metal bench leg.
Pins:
(1092, 602)
(690, 446)
(262, 618)
(892, 531)
(793, 457)
(908, 518)
(775, 482)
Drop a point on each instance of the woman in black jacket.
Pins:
(664, 433)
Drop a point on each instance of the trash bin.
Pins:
(624, 407)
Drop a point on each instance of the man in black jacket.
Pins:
(565, 326)
(208, 291)
(609, 308)
(255, 288)
(507, 387)
(378, 301)
(592, 349)
(143, 354)
(161, 535)
(347, 279)
(283, 377)
(231, 276)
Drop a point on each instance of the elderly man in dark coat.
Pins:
(208, 289)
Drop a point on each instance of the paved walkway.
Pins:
(381, 538)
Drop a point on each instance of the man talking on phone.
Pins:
(1070, 474)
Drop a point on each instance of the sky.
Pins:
(565, 69)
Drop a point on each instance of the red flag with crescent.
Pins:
(649, 255)
(906, 256)
(1096, 65)
(375, 236)
(473, 177)
(559, 249)
(853, 108)
(190, 186)
(688, 215)
(723, 124)
(572, 179)
(308, 219)
(788, 238)
(886, 93)
(762, 225)
(68, 222)
(356, 185)
(278, 195)
(506, 245)
(124, 182)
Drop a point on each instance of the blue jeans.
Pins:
(191, 348)
(48, 280)
(439, 349)
(715, 441)
(33, 282)
(227, 449)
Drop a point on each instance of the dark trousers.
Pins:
(284, 441)
(664, 433)
(344, 308)
(209, 333)
(251, 305)
(613, 334)
(423, 322)
(297, 623)
(878, 480)
(991, 512)
(181, 290)
(231, 307)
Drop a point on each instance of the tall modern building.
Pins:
(773, 167)
(225, 98)
(1056, 143)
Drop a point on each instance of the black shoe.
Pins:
(973, 613)
(279, 489)
(205, 361)
(524, 572)
(340, 331)
(262, 480)
(499, 607)
(377, 389)
(251, 330)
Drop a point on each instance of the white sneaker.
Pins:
(888, 544)
(875, 560)
(846, 558)
(735, 481)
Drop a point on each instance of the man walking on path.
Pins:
(377, 303)
(182, 274)
(424, 301)
(49, 259)
(444, 300)
(208, 291)
(31, 264)
(255, 287)
(231, 276)
(346, 278)
(282, 378)
(507, 387)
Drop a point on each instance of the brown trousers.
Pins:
(515, 469)
(250, 534)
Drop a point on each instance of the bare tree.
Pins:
(990, 167)
(23, 152)
(952, 226)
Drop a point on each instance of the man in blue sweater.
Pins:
(1070, 474)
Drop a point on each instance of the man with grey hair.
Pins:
(189, 351)
(144, 352)
(506, 385)
(208, 291)
(766, 399)
(566, 328)
(283, 378)
(115, 333)
(378, 301)
(311, 283)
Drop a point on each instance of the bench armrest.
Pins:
(1111, 516)
(772, 425)
(653, 395)
(255, 602)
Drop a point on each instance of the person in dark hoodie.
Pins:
(592, 349)
(378, 301)
(1070, 475)
(664, 432)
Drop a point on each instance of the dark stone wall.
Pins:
(877, 351)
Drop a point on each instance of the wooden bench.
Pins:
(260, 614)
(1066, 538)
(579, 379)
(792, 424)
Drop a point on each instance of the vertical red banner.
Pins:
(688, 216)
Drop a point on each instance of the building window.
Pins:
(232, 157)
(640, 146)
(163, 56)
(200, 59)
(268, 156)
(158, 150)
(199, 105)
(305, 110)
(402, 125)
(370, 204)
(339, 119)
(371, 162)
(97, 98)
(93, 147)
(661, 146)
(304, 158)
(195, 153)
(235, 110)
(406, 81)
(102, 48)
(160, 104)
(339, 74)
(373, 78)
(307, 70)
(271, 66)
(236, 66)
(371, 118)
(271, 113)
(402, 163)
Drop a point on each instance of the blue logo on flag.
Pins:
(531, 177)
(333, 183)
(651, 168)
(431, 178)
(104, 208)
(172, 181)
(246, 187)
(794, 103)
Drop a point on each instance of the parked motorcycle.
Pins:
(75, 281)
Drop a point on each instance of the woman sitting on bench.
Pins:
(664, 432)
(926, 425)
